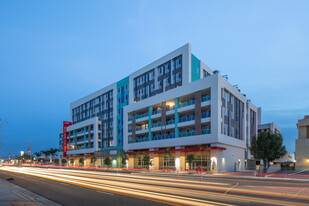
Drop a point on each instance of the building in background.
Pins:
(273, 127)
(302, 144)
(253, 163)
(169, 109)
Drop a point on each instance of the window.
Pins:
(159, 85)
(178, 77)
(204, 73)
(147, 90)
(167, 81)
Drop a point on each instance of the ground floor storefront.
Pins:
(207, 158)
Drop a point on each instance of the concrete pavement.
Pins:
(14, 195)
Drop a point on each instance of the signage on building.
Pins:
(65, 135)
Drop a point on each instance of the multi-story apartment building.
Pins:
(302, 144)
(172, 107)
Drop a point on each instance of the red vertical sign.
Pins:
(65, 135)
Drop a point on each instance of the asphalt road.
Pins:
(69, 194)
(76, 187)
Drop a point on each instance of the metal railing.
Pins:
(186, 103)
(186, 119)
(159, 137)
(206, 98)
(206, 131)
(205, 115)
(186, 134)
(156, 112)
(156, 125)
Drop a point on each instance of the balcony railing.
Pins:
(186, 119)
(138, 128)
(206, 98)
(170, 122)
(81, 132)
(205, 115)
(156, 112)
(138, 116)
(187, 103)
(159, 137)
(144, 139)
(186, 134)
(170, 108)
(156, 125)
(206, 131)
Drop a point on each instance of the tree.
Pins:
(56, 161)
(81, 161)
(72, 161)
(37, 154)
(268, 147)
(124, 158)
(92, 160)
(46, 153)
(53, 152)
(147, 161)
(108, 161)
(64, 161)
(190, 159)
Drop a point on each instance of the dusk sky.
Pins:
(55, 52)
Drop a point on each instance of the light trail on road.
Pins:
(174, 192)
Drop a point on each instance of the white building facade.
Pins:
(169, 109)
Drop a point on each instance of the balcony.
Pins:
(138, 116)
(170, 108)
(206, 98)
(186, 134)
(159, 137)
(186, 119)
(138, 128)
(156, 112)
(206, 131)
(81, 132)
(170, 122)
(144, 139)
(156, 125)
(206, 115)
(185, 104)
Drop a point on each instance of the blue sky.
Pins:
(55, 52)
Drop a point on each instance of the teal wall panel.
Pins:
(195, 68)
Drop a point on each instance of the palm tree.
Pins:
(81, 161)
(53, 152)
(46, 153)
(37, 154)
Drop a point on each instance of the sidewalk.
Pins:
(14, 195)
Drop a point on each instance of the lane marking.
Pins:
(231, 188)
(297, 193)
(107, 193)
